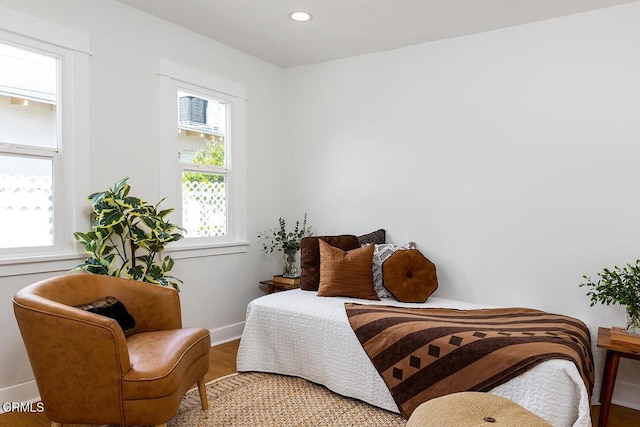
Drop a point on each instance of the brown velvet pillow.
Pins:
(409, 276)
(346, 273)
(310, 257)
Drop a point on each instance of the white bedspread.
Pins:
(298, 333)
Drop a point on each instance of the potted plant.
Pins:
(127, 237)
(621, 286)
(287, 242)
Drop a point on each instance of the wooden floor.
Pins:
(223, 362)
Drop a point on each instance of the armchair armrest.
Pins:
(83, 349)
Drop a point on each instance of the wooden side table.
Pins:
(615, 350)
(273, 286)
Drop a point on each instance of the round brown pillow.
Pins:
(468, 409)
(409, 276)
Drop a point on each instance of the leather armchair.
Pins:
(88, 372)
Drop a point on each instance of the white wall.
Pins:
(510, 157)
(125, 46)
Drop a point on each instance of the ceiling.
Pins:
(344, 28)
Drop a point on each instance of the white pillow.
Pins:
(380, 254)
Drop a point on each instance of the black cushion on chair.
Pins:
(113, 308)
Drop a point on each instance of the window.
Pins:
(43, 111)
(202, 157)
(202, 160)
(29, 150)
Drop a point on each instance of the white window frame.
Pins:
(70, 160)
(172, 78)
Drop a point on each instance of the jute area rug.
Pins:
(263, 400)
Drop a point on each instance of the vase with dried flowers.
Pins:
(288, 242)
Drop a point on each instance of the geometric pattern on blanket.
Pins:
(423, 353)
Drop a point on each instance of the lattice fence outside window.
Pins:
(26, 199)
(204, 208)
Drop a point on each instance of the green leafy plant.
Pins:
(281, 240)
(617, 286)
(286, 241)
(127, 237)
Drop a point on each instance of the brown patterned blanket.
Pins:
(422, 353)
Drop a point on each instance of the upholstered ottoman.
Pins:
(469, 409)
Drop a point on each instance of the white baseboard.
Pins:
(226, 333)
(625, 394)
(25, 392)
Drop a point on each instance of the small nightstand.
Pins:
(615, 350)
(273, 286)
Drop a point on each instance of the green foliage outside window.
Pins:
(214, 155)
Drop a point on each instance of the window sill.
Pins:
(20, 266)
(25, 265)
(195, 250)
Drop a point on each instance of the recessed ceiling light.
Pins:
(300, 16)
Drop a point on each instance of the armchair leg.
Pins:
(55, 424)
(162, 425)
(202, 388)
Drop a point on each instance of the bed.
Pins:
(300, 334)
